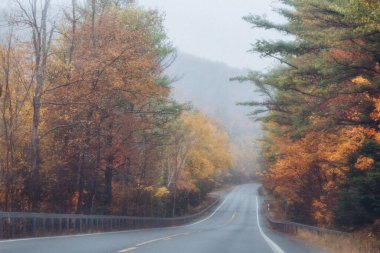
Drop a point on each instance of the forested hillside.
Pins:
(87, 123)
(321, 114)
(206, 84)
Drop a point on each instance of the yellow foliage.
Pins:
(360, 80)
(337, 148)
(364, 163)
(149, 188)
(161, 192)
(208, 155)
(375, 115)
(321, 213)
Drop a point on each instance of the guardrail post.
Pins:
(43, 225)
(60, 225)
(1, 228)
(24, 226)
(34, 226)
(13, 225)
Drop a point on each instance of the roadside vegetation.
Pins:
(87, 122)
(359, 242)
(320, 113)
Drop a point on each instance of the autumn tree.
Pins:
(15, 113)
(321, 102)
(88, 125)
(196, 161)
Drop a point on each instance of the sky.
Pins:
(215, 30)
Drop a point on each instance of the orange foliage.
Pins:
(364, 163)
(315, 163)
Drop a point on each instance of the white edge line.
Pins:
(272, 244)
(151, 241)
(161, 239)
(208, 217)
(128, 249)
(115, 232)
(70, 236)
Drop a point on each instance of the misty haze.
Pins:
(190, 126)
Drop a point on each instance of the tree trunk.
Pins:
(108, 185)
(80, 183)
(174, 200)
(35, 152)
(41, 45)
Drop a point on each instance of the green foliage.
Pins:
(327, 87)
(359, 198)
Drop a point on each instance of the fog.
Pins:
(211, 29)
(214, 29)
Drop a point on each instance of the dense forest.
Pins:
(321, 150)
(87, 122)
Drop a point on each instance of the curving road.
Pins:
(234, 227)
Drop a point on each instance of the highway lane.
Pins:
(235, 226)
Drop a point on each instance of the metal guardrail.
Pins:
(20, 225)
(293, 227)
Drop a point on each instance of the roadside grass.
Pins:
(357, 243)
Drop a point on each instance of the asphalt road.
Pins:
(234, 227)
